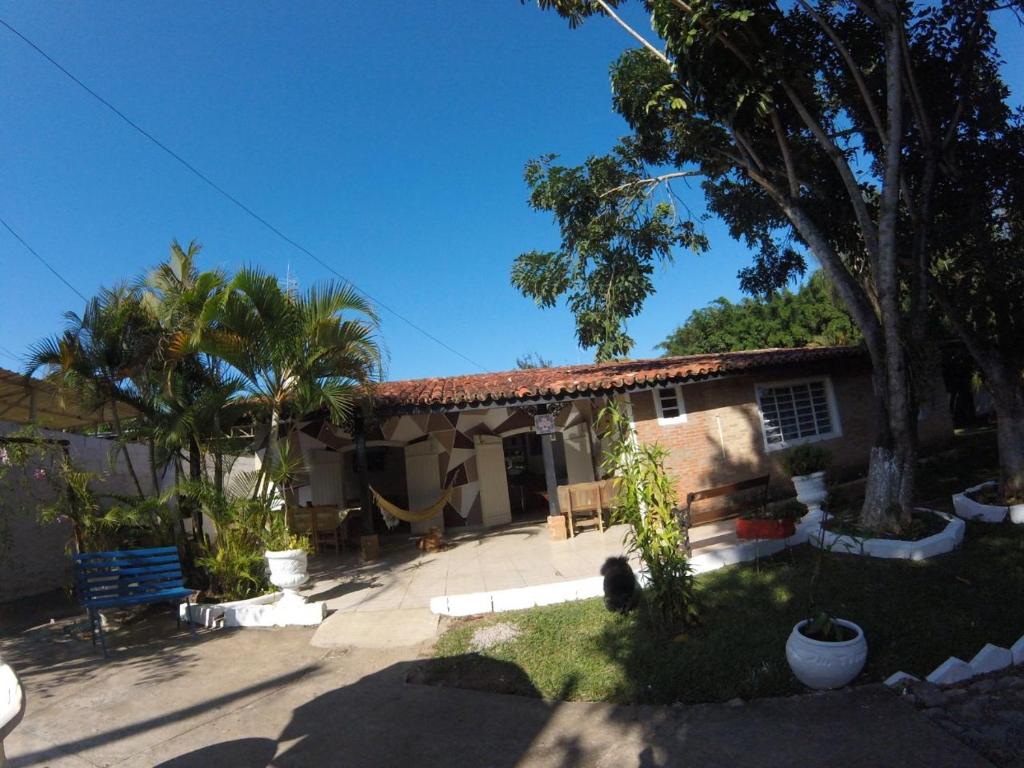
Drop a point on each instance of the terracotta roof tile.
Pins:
(526, 384)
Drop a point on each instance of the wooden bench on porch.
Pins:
(754, 494)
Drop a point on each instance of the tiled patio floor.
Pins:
(480, 561)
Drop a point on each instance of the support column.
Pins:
(369, 541)
(547, 444)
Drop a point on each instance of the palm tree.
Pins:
(296, 353)
(198, 390)
(102, 356)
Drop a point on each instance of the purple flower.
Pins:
(4, 458)
(39, 474)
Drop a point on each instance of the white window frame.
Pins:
(668, 421)
(833, 411)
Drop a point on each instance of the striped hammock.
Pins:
(392, 513)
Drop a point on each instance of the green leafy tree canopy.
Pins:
(808, 317)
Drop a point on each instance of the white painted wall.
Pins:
(37, 557)
(579, 465)
(326, 477)
(423, 481)
(490, 467)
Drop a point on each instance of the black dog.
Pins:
(620, 593)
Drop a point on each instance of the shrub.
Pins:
(787, 510)
(646, 501)
(39, 476)
(234, 561)
(806, 460)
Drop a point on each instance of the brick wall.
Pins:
(722, 441)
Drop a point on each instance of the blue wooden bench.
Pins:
(129, 577)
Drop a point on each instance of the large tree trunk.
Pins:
(195, 473)
(218, 455)
(891, 462)
(882, 491)
(889, 495)
(1008, 401)
(116, 417)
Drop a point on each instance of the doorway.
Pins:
(524, 468)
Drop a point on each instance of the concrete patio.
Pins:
(498, 559)
(387, 603)
(267, 697)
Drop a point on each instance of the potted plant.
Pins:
(825, 652)
(769, 523)
(287, 558)
(806, 465)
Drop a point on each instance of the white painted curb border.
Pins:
(945, 541)
(518, 599)
(969, 509)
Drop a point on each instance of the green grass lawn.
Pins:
(914, 615)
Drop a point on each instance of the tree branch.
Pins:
(850, 291)
(851, 65)
(787, 157)
(853, 191)
(632, 32)
(651, 182)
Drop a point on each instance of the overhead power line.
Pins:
(228, 196)
(42, 261)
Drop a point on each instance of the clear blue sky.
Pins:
(388, 138)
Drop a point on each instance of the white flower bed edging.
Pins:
(969, 509)
(991, 658)
(939, 544)
(263, 611)
(12, 704)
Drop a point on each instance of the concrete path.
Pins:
(379, 604)
(377, 629)
(268, 697)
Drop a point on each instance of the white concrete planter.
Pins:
(811, 490)
(288, 571)
(821, 665)
(211, 615)
(942, 542)
(271, 610)
(969, 509)
(12, 705)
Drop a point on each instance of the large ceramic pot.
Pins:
(288, 571)
(12, 705)
(811, 490)
(823, 665)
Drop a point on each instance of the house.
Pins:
(723, 417)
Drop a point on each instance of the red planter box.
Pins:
(764, 529)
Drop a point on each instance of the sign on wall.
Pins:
(544, 423)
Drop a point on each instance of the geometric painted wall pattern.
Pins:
(454, 431)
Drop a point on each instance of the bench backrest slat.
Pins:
(725, 490)
(127, 573)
